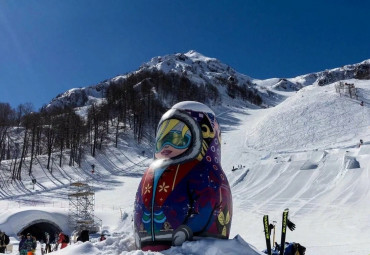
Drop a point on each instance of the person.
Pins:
(74, 236)
(55, 242)
(84, 236)
(29, 245)
(21, 249)
(4, 241)
(47, 243)
(62, 240)
(34, 244)
(362, 103)
(102, 237)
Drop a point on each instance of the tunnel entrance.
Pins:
(38, 229)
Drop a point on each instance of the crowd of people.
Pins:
(28, 243)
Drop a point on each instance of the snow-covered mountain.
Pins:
(359, 71)
(202, 70)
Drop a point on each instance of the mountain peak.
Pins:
(196, 56)
(185, 61)
(198, 68)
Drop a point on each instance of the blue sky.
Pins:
(50, 46)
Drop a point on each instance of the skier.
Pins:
(4, 241)
(361, 143)
(362, 103)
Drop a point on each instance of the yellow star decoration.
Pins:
(224, 220)
(163, 187)
(147, 189)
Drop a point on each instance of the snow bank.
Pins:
(123, 246)
(235, 246)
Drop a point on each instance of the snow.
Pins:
(318, 118)
(191, 105)
(302, 154)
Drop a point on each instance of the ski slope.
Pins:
(302, 154)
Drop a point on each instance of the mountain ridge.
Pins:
(202, 70)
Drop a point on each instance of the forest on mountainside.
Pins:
(134, 104)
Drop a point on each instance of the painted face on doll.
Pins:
(173, 138)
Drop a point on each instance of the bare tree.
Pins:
(32, 122)
(22, 110)
(7, 116)
(49, 135)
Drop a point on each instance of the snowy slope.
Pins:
(303, 155)
(316, 118)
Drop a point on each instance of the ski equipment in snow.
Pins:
(283, 230)
(266, 226)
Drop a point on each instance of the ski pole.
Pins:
(273, 239)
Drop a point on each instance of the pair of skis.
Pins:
(267, 227)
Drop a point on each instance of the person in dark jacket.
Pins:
(28, 245)
(4, 241)
(22, 251)
(84, 236)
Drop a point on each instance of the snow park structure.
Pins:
(184, 195)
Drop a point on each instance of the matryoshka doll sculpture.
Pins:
(184, 195)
